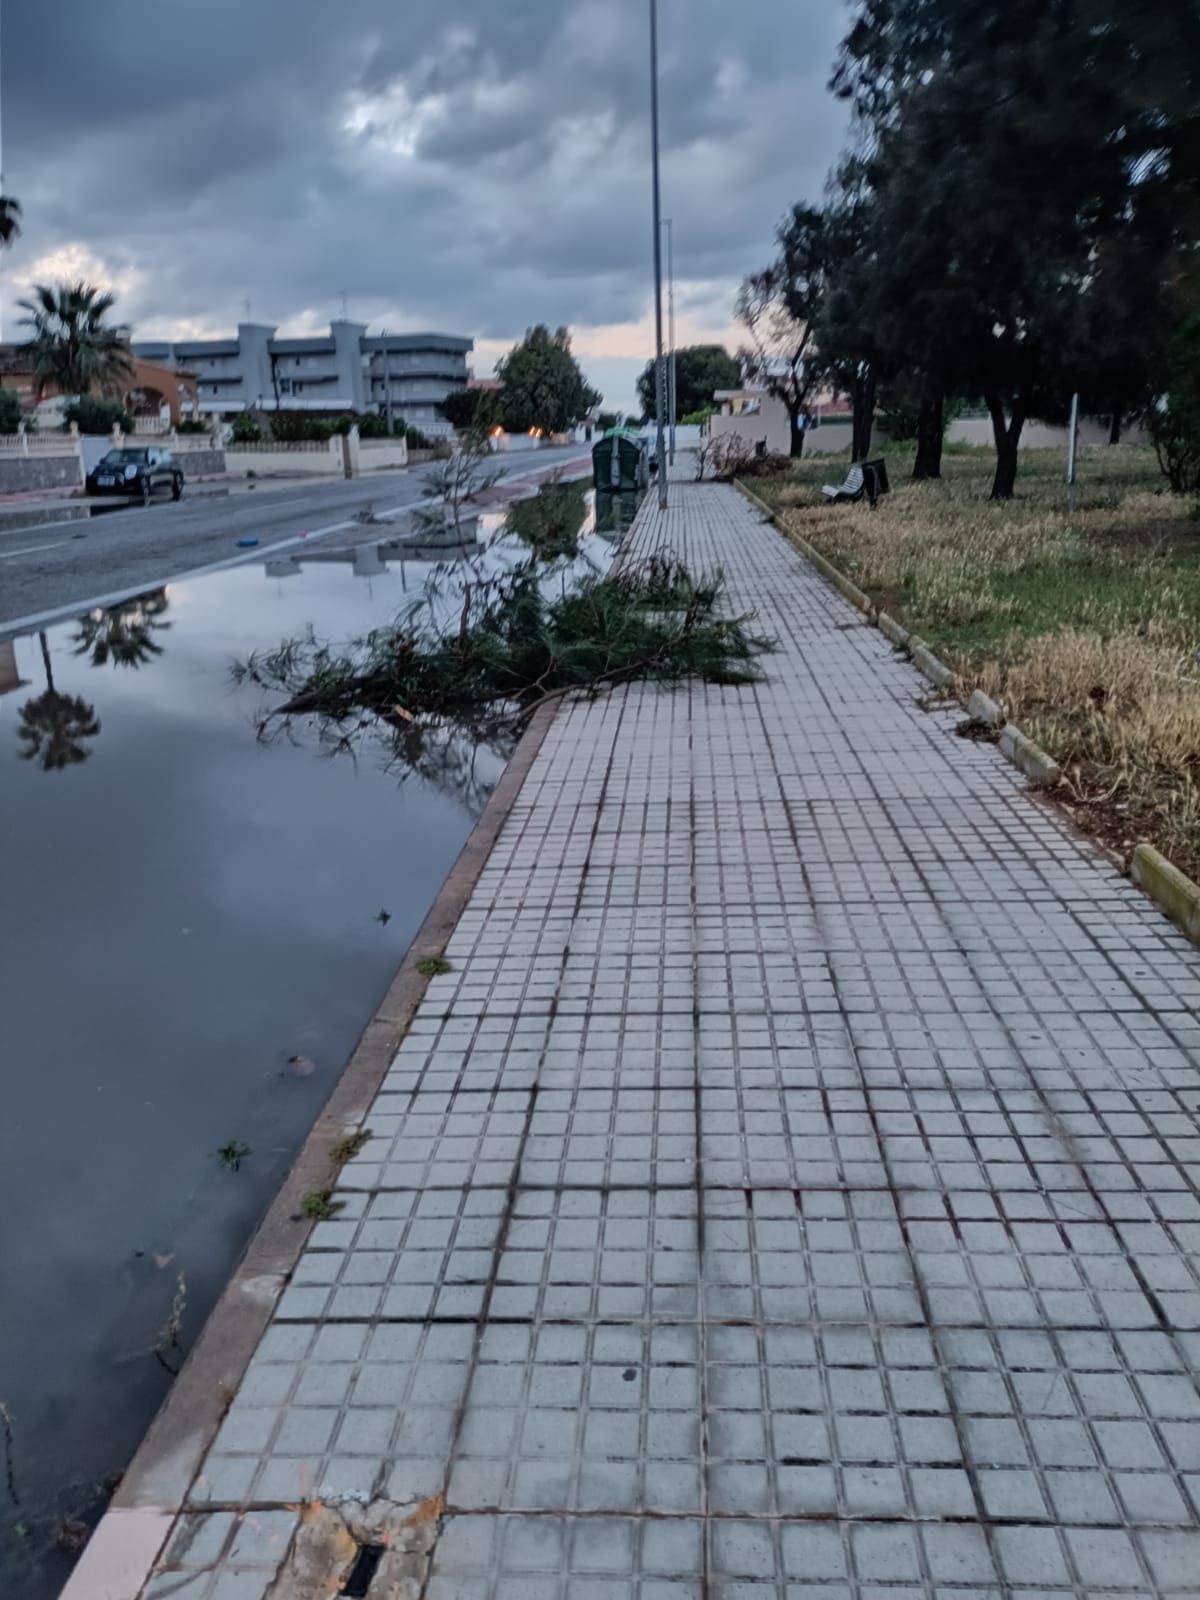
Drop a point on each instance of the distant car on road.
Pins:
(137, 472)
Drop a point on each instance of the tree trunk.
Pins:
(930, 431)
(864, 418)
(796, 436)
(1007, 435)
(1114, 426)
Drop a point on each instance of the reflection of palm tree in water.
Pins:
(54, 726)
(122, 634)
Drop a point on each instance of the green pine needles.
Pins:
(517, 640)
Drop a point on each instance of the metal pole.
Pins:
(387, 383)
(2, 188)
(1072, 442)
(660, 398)
(672, 398)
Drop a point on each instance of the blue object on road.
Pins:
(247, 544)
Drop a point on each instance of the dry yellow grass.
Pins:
(1084, 625)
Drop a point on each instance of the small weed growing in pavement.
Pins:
(319, 1205)
(433, 966)
(346, 1149)
(232, 1153)
(168, 1339)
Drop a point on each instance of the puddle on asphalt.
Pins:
(187, 912)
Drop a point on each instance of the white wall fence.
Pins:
(78, 453)
(376, 455)
(316, 457)
(833, 438)
(39, 444)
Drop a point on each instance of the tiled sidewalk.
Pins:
(791, 1191)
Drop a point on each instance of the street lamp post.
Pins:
(672, 367)
(660, 397)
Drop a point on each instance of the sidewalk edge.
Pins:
(1170, 889)
(120, 1556)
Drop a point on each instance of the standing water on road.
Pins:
(197, 926)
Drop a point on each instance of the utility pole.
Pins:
(2, 188)
(672, 393)
(660, 398)
(387, 383)
(1072, 446)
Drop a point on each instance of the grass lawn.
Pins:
(1085, 625)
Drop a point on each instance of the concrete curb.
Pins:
(982, 708)
(120, 1555)
(892, 630)
(1022, 752)
(59, 514)
(1173, 891)
(840, 582)
(1033, 761)
(1169, 888)
(928, 665)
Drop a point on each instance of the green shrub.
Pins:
(298, 427)
(373, 427)
(1175, 422)
(465, 409)
(10, 411)
(96, 416)
(244, 428)
(189, 425)
(697, 419)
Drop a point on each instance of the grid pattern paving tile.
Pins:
(789, 1193)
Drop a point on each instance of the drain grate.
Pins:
(364, 1568)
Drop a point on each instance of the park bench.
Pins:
(864, 478)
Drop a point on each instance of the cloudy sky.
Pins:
(453, 164)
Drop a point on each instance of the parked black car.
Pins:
(137, 472)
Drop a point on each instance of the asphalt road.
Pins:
(71, 564)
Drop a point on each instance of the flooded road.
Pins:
(196, 927)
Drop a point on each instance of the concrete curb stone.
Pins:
(1169, 888)
(982, 708)
(1037, 766)
(119, 1558)
(892, 630)
(928, 665)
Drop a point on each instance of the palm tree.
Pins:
(54, 726)
(123, 634)
(72, 346)
(10, 220)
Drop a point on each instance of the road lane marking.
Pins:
(35, 549)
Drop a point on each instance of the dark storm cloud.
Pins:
(457, 164)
